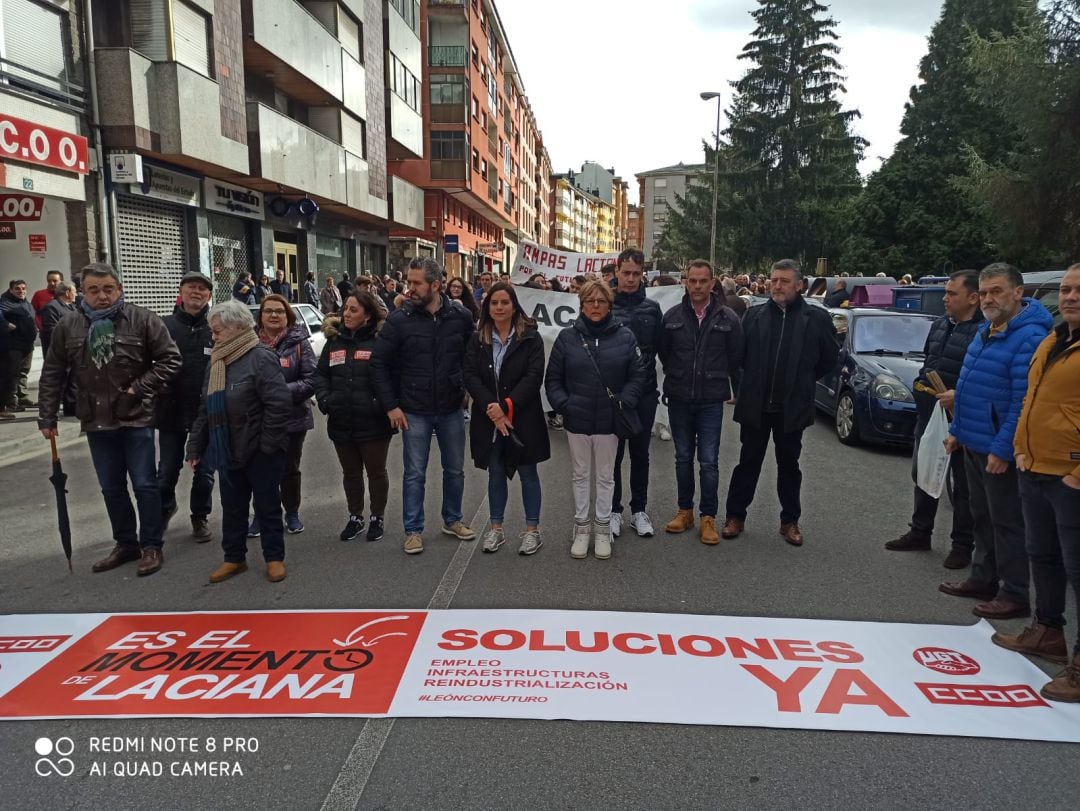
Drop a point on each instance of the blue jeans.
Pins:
(171, 449)
(449, 430)
(258, 481)
(497, 487)
(697, 425)
(117, 455)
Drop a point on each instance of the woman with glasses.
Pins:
(459, 291)
(504, 369)
(277, 329)
(593, 357)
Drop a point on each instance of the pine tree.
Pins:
(918, 213)
(793, 157)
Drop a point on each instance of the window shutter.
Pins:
(191, 35)
(148, 29)
(33, 38)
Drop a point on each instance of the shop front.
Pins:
(233, 217)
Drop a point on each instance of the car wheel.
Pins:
(847, 427)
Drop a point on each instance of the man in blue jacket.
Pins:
(418, 367)
(989, 397)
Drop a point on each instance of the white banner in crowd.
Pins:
(555, 264)
(556, 311)
(579, 665)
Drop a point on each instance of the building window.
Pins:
(33, 36)
(475, 56)
(660, 201)
(475, 161)
(660, 183)
(483, 168)
(410, 13)
(403, 84)
(447, 89)
(475, 108)
(448, 146)
(350, 34)
(354, 135)
(191, 37)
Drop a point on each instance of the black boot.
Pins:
(910, 541)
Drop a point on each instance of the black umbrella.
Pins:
(59, 479)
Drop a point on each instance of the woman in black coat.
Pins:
(504, 369)
(580, 395)
(357, 423)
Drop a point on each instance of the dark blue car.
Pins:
(869, 390)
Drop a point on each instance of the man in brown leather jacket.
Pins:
(122, 356)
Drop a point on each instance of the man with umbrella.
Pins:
(122, 356)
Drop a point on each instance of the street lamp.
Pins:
(707, 96)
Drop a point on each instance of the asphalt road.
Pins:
(854, 500)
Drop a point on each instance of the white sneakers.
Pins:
(640, 522)
(579, 549)
(616, 524)
(602, 542)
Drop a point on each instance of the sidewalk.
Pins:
(20, 439)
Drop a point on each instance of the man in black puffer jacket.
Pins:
(642, 317)
(179, 405)
(946, 347)
(419, 377)
(20, 314)
(701, 346)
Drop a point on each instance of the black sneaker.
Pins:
(353, 528)
(375, 528)
(909, 542)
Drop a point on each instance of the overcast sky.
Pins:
(617, 81)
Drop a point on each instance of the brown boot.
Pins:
(150, 562)
(733, 527)
(1066, 685)
(708, 530)
(121, 554)
(792, 534)
(275, 571)
(683, 520)
(227, 570)
(1037, 640)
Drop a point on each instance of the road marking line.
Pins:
(355, 772)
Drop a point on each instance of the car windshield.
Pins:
(891, 334)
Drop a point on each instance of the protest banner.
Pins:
(529, 664)
(555, 264)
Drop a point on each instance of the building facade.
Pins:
(658, 192)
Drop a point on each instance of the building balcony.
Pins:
(286, 43)
(289, 154)
(166, 108)
(446, 56)
(449, 169)
(406, 204)
(56, 91)
(447, 7)
(449, 113)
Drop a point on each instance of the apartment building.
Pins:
(253, 135)
(50, 187)
(658, 192)
(635, 227)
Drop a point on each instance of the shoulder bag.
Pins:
(627, 421)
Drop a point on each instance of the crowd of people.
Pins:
(232, 396)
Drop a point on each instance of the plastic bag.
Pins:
(933, 461)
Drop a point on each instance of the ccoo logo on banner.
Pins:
(589, 666)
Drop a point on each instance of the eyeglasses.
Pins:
(273, 312)
(595, 302)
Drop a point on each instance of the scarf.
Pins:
(219, 451)
(101, 339)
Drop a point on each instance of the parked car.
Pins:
(869, 391)
(308, 317)
(1045, 288)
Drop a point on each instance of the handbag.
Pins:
(627, 421)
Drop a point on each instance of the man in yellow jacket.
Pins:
(1047, 446)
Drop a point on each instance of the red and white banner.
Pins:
(581, 665)
(21, 207)
(555, 264)
(28, 142)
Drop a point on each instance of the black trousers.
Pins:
(787, 446)
(1052, 518)
(926, 506)
(639, 459)
(1000, 557)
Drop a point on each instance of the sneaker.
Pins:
(493, 539)
(910, 541)
(602, 541)
(414, 544)
(353, 528)
(530, 542)
(459, 531)
(642, 525)
(664, 433)
(200, 531)
(293, 524)
(579, 548)
(616, 524)
(253, 528)
(375, 528)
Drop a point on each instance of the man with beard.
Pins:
(418, 368)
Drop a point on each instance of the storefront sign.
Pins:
(530, 664)
(235, 200)
(126, 167)
(28, 142)
(38, 244)
(21, 207)
(450, 243)
(165, 184)
(7, 230)
(555, 264)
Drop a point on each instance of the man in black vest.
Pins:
(946, 346)
(789, 345)
(179, 404)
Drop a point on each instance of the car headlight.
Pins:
(888, 387)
